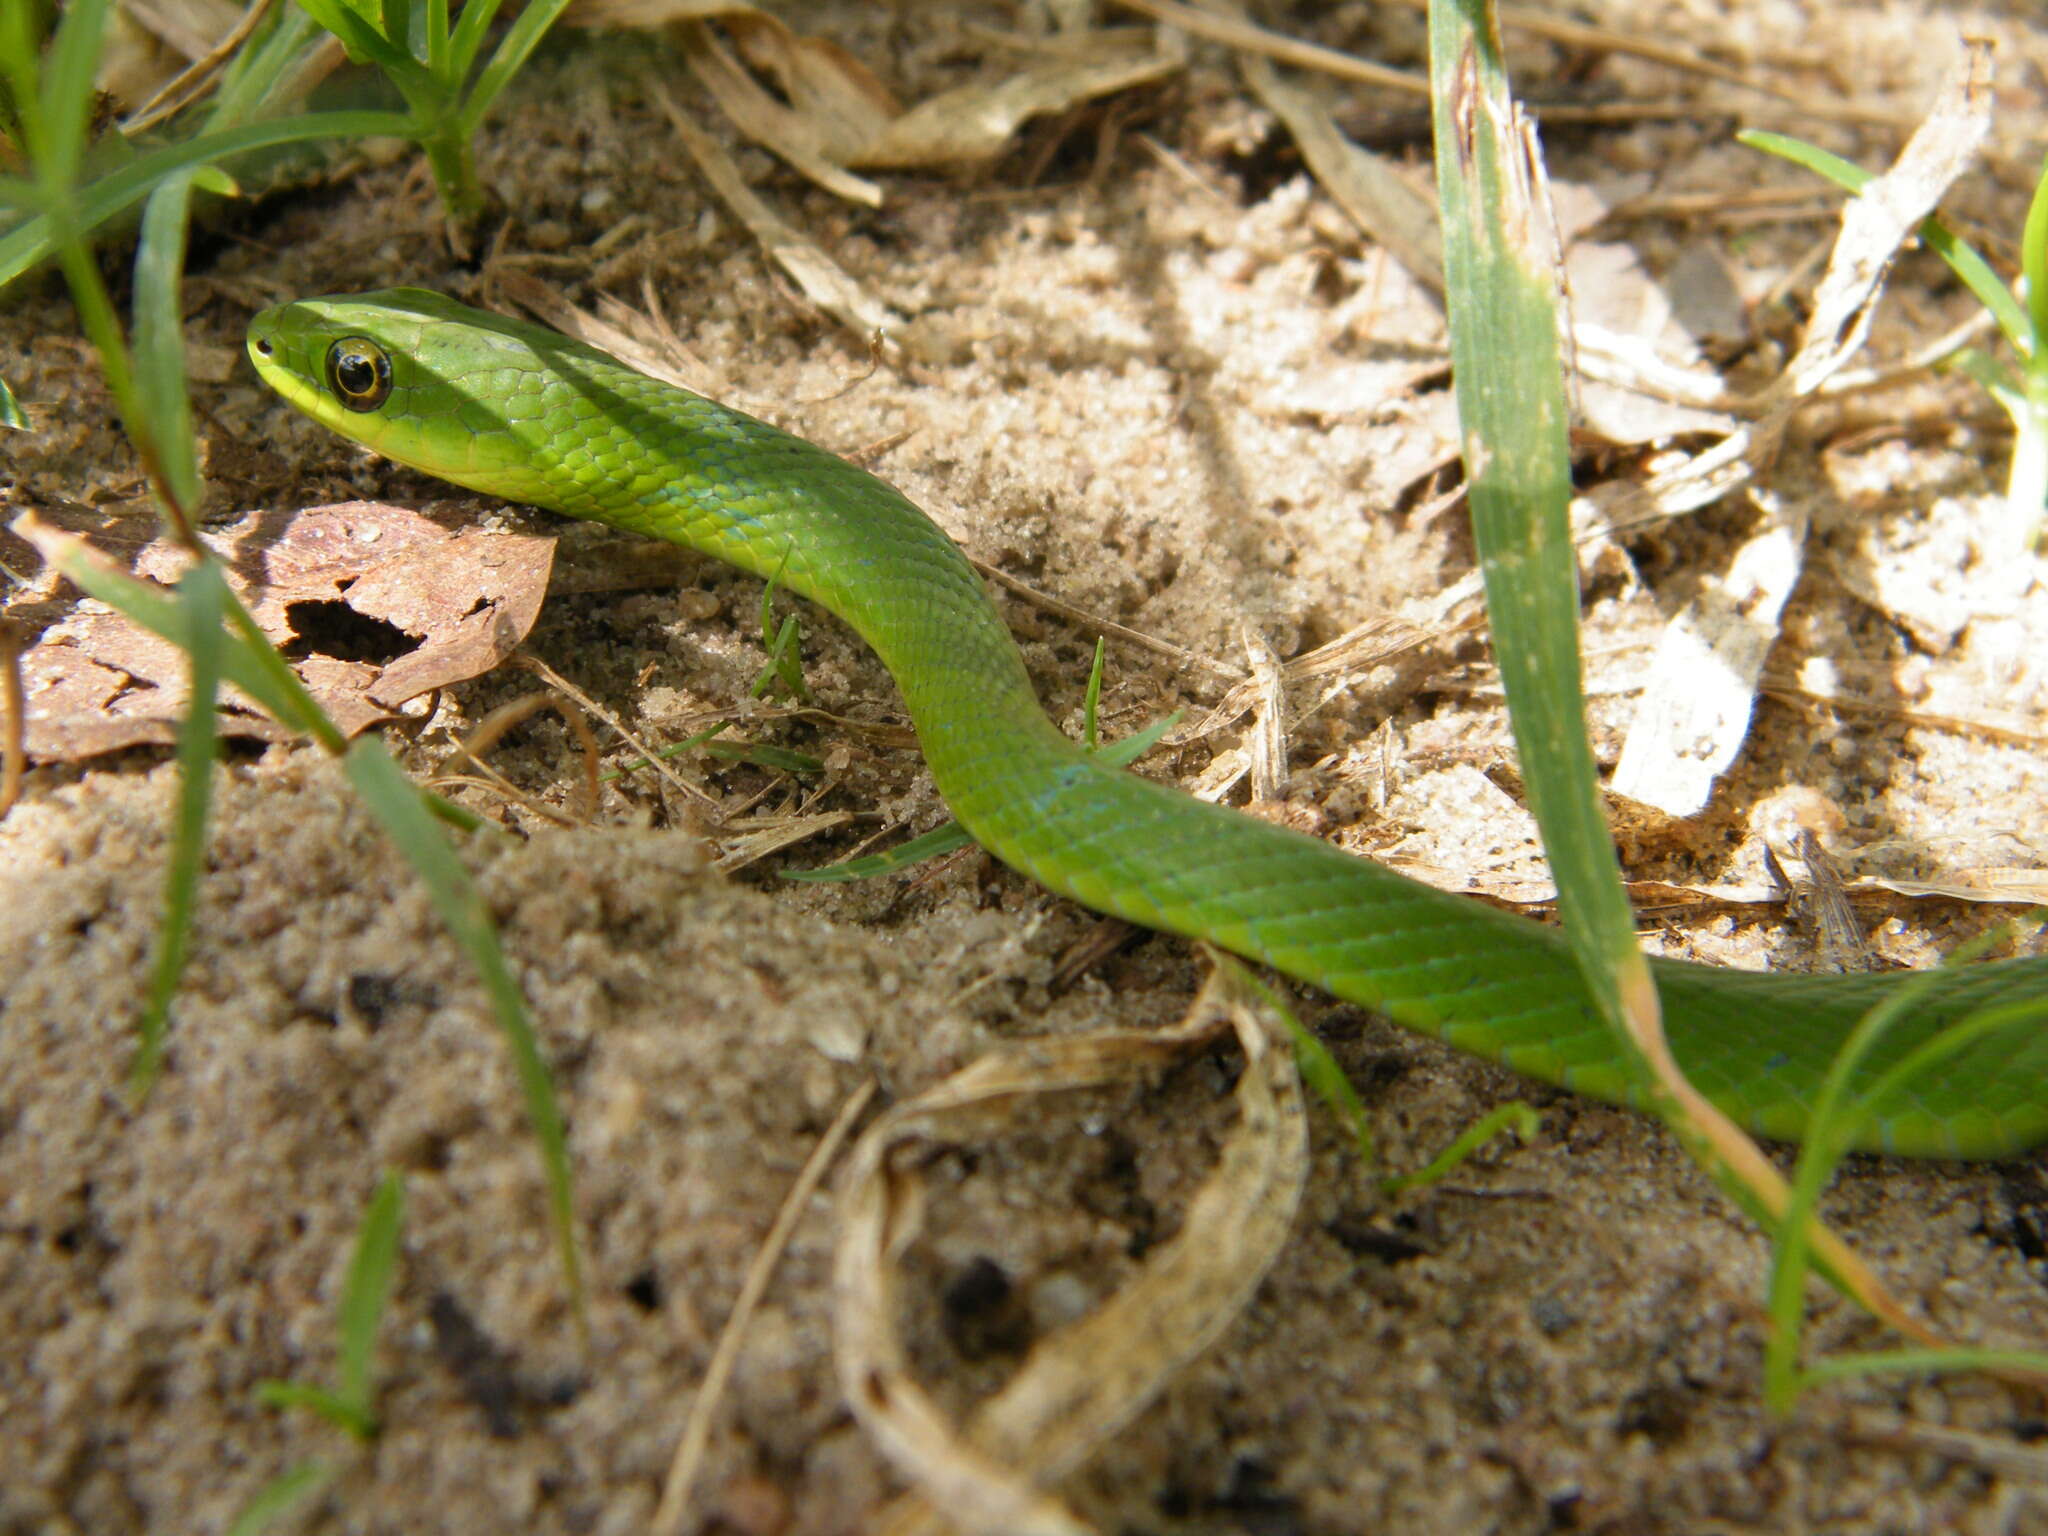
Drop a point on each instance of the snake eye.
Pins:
(359, 373)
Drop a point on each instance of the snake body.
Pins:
(520, 412)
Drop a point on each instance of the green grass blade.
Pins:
(521, 39)
(1513, 1118)
(764, 754)
(930, 845)
(1130, 748)
(2034, 265)
(280, 1496)
(202, 595)
(1984, 284)
(397, 803)
(11, 413)
(434, 28)
(367, 44)
(160, 339)
(287, 1395)
(1092, 700)
(1903, 1361)
(468, 39)
(1506, 363)
(366, 1290)
(57, 128)
(35, 240)
(266, 65)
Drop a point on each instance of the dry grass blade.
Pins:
(1269, 719)
(1874, 225)
(198, 77)
(978, 122)
(583, 701)
(756, 839)
(492, 728)
(1819, 902)
(547, 304)
(1106, 627)
(682, 1472)
(823, 281)
(1345, 659)
(13, 744)
(1081, 1383)
(794, 135)
(1385, 207)
(1234, 31)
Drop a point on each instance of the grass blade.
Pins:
(520, 41)
(202, 596)
(280, 1496)
(35, 240)
(366, 1290)
(1501, 294)
(57, 140)
(160, 341)
(367, 45)
(1985, 285)
(930, 845)
(400, 807)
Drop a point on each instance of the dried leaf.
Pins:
(374, 605)
(829, 113)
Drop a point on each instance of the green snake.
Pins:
(519, 412)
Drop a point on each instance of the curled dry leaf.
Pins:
(373, 605)
(1081, 1383)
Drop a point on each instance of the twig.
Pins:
(682, 1472)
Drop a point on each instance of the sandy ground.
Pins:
(1166, 382)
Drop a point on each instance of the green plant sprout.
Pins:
(280, 1496)
(93, 186)
(1838, 1115)
(784, 644)
(350, 1405)
(2024, 325)
(431, 64)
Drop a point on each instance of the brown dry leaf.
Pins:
(1385, 207)
(322, 584)
(976, 122)
(823, 281)
(1082, 1382)
(829, 112)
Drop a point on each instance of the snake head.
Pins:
(417, 377)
